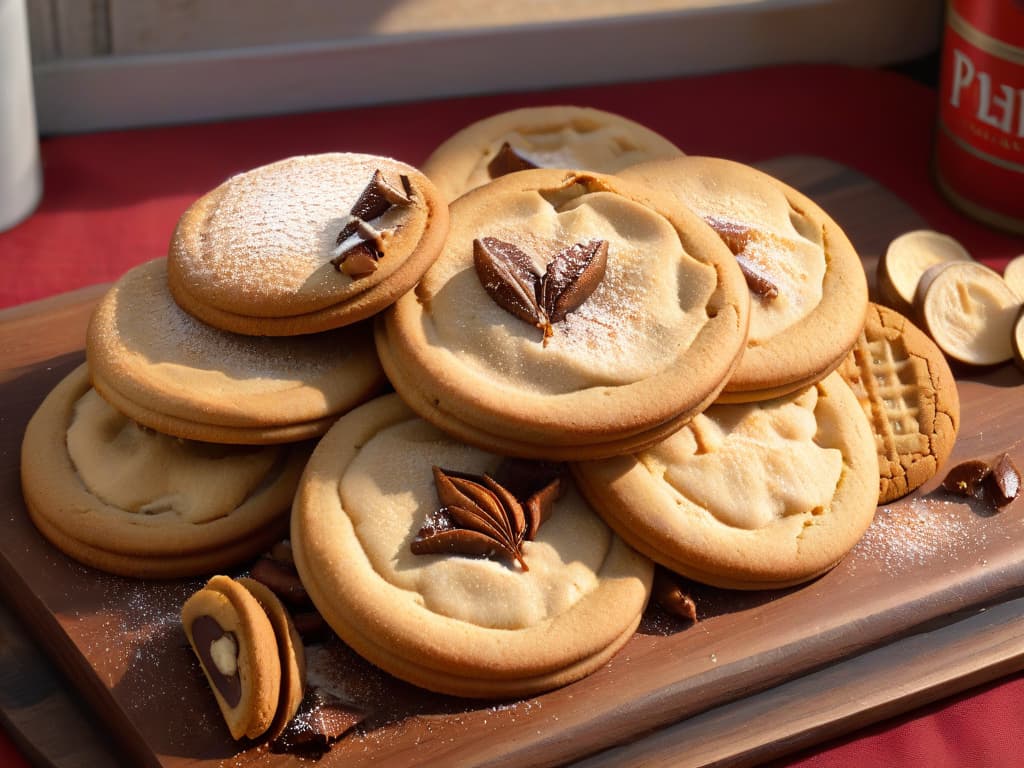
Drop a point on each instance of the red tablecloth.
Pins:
(112, 199)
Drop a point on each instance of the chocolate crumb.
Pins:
(322, 719)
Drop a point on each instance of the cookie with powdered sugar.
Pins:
(306, 244)
(165, 369)
(560, 136)
(570, 315)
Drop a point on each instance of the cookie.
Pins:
(908, 392)
(747, 496)
(290, 652)
(249, 653)
(565, 136)
(454, 569)
(809, 293)
(131, 501)
(571, 315)
(306, 244)
(165, 369)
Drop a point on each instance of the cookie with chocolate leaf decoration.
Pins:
(809, 294)
(456, 569)
(570, 316)
(306, 244)
(561, 136)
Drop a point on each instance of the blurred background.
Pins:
(101, 64)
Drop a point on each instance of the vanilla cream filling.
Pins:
(750, 465)
(138, 470)
(388, 490)
(578, 145)
(645, 313)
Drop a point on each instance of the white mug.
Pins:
(21, 176)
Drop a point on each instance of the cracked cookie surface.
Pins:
(747, 496)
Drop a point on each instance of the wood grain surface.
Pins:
(932, 573)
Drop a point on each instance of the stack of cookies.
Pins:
(604, 354)
(179, 444)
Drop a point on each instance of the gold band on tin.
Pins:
(986, 215)
(981, 40)
(1006, 165)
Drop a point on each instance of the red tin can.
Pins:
(979, 144)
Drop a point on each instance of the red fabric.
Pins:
(111, 201)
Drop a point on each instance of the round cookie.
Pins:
(291, 654)
(906, 388)
(564, 136)
(406, 581)
(131, 501)
(747, 496)
(306, 244)
(809, 293)
(234, 640)
(640, 349)
(165, 369)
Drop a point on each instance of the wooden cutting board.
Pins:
(927, 562)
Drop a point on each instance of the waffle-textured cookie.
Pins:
(809, 293)
(907, 389)
(388, 535)
(128, 500)
(166, 369)
(748, 495)
(249, 652)
(515, 342)
(306, 244)
(563, 136)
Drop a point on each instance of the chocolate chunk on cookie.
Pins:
(448, 569)
(563, 136)
(570, 315)
(306, 244)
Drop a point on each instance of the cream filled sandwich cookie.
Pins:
(167, 370)
(125, 499)
(750, 495)
(561, 136)
(457, 570)
(306, 244)
(808, 290)
(571, 315)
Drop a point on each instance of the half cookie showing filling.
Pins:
(809, 294)
(165, 369)
(748, 496)
(306, 244)
(128, 500)
(455, 569)
(571, 315)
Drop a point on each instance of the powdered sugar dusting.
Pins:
(918, 532)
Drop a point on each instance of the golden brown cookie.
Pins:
(808, 290)
(455, 570)
(306, 244)
(167, 370)
(571, 315)
(234, 640)
(131, 501)
(748, 495)
(907, 389)
(564, 136)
